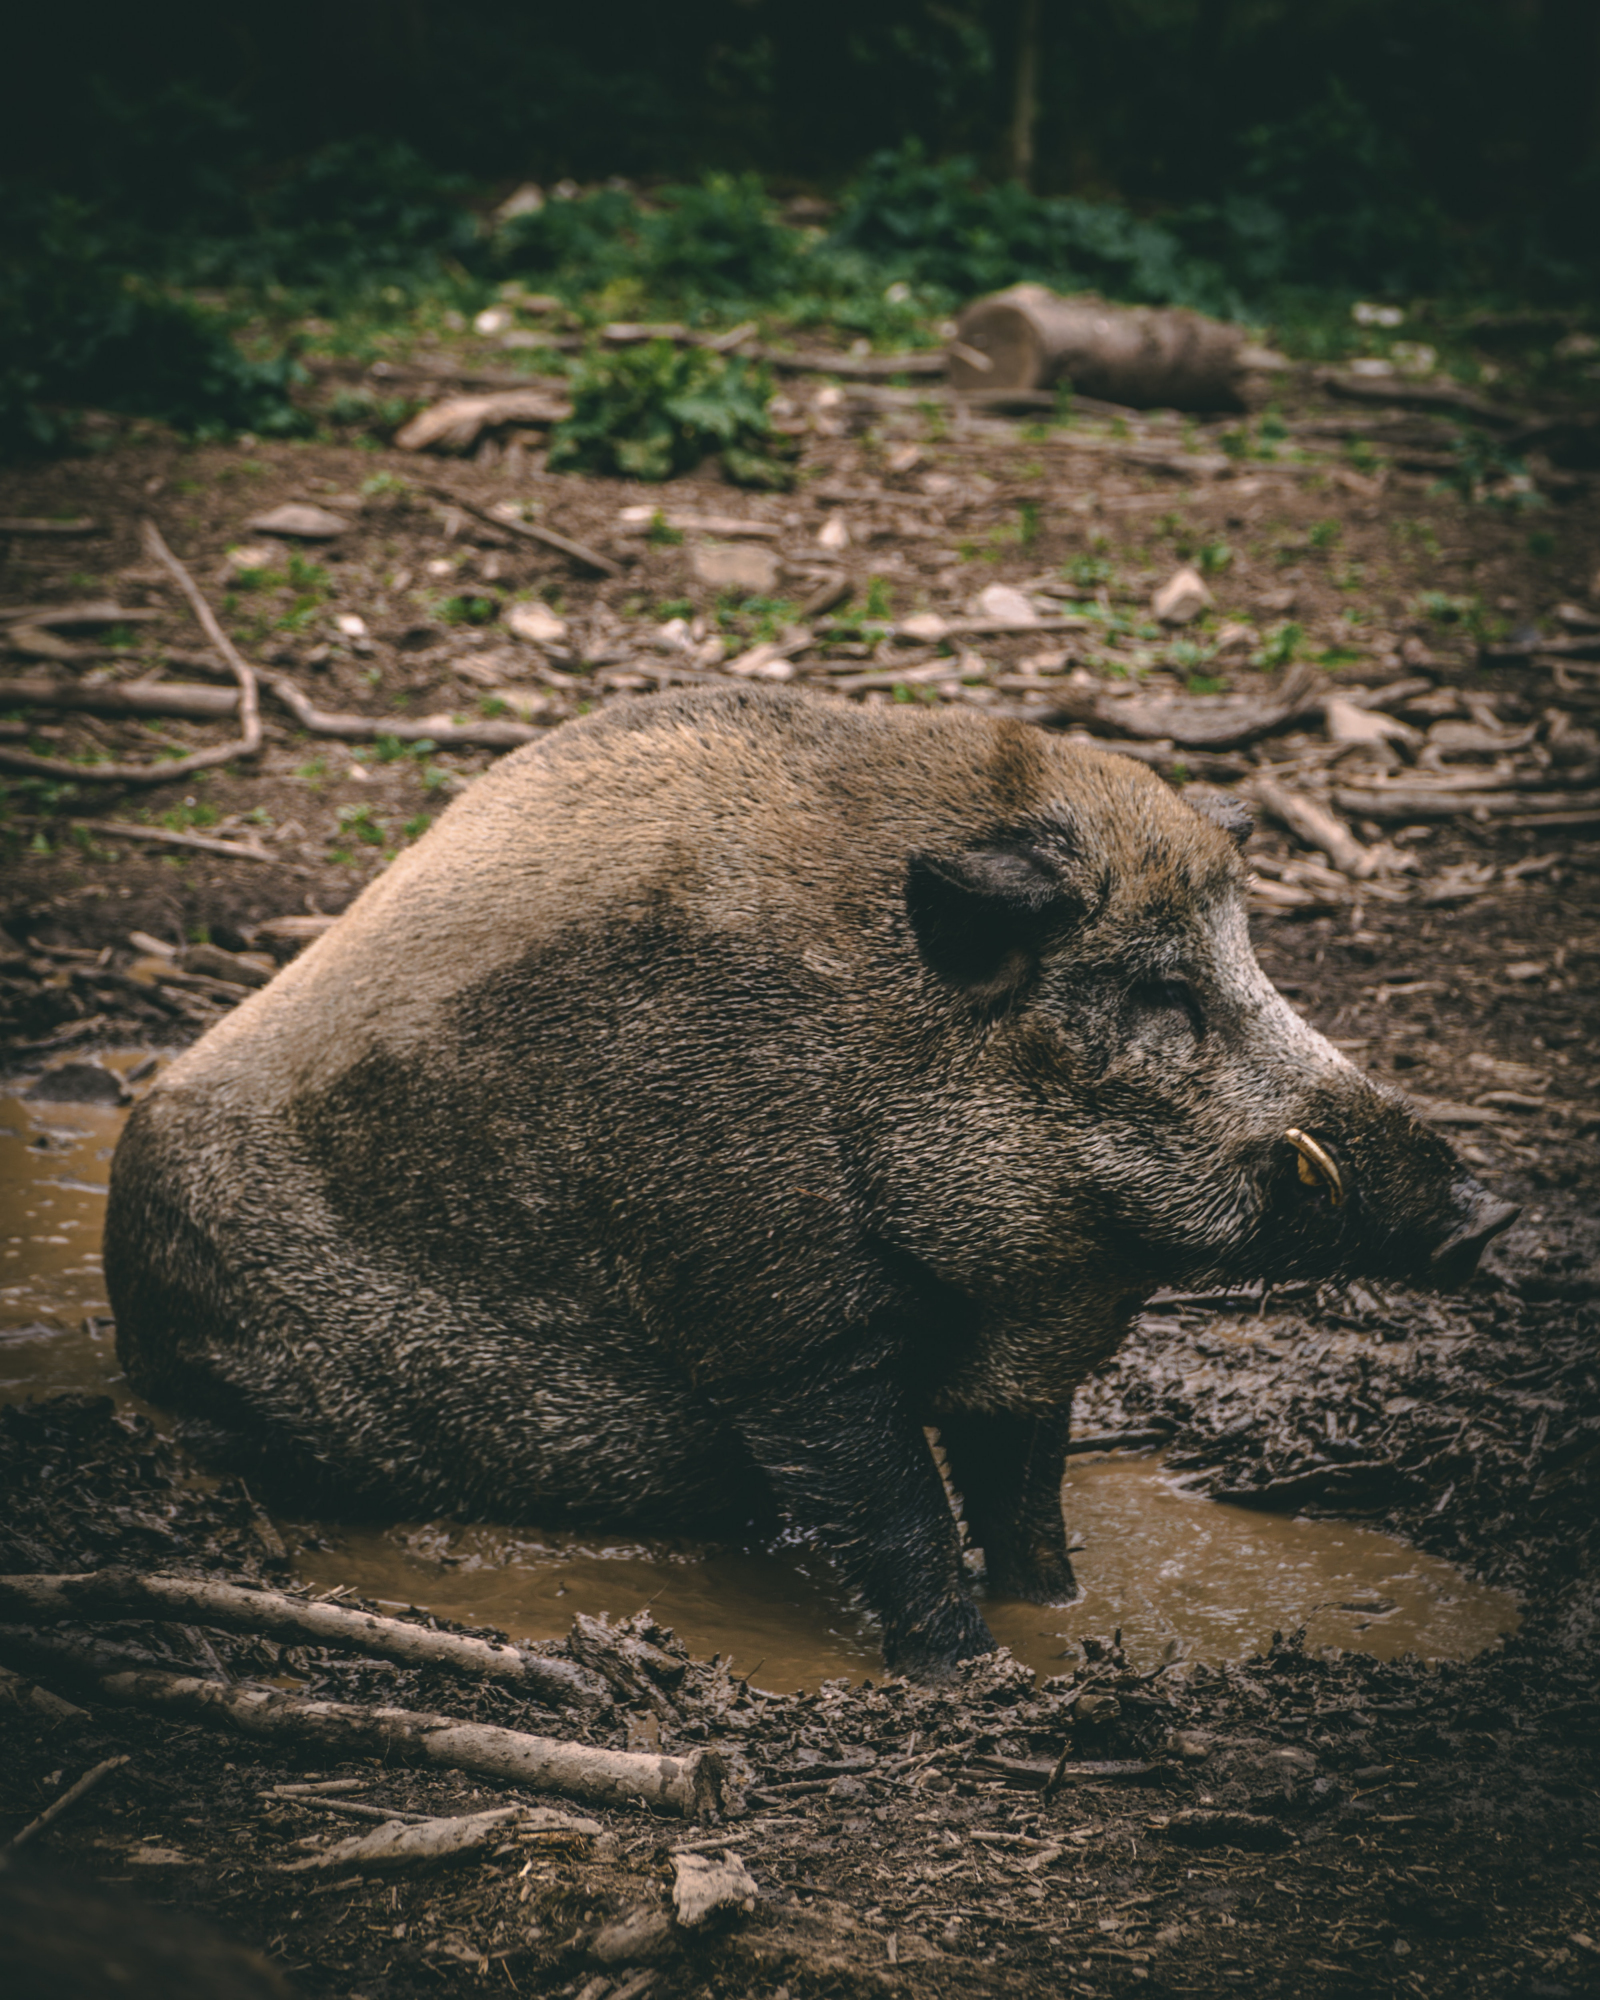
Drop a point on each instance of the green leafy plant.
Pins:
(653, 411)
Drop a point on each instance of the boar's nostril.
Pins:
(1486, 1215)
(1318, 1168)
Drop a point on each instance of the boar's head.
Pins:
(1169, 1117)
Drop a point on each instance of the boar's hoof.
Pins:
(1484, 1216)
(1045, 1580)
(934, 1648)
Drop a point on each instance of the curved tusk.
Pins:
(1318, 1168)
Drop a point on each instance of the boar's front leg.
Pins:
(1008, 1471)
(848, 1459)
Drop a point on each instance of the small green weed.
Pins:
(1088, 572)
(1215, 557)
(359, 823)
(662, 533)
(653, 411)
(1323, 534)
(1280, 648)
(469, 608)
(191, 814)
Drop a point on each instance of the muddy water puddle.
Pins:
(1157, 1560)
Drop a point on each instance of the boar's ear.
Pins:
(981, 916)
(1222, 809)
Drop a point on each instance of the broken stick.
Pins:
(398, 1847)
(506, 516)
(232, 1608)
(69, 1797)
(690, 1786)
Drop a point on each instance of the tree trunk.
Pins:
(1025, 95)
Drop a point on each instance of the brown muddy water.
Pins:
(1152, 1558)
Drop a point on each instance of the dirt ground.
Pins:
(1299, 1824)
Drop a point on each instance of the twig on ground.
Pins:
(506, 516)
(69, 1797)
(26, 524)
(686, 1785)
(247, 744)
(232, 1608)
(1316, 826)
(397, 1847)
(188, 703)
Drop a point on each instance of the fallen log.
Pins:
(113, 1593)
(400, 1848)
(689, 1786)
(248, 742)
(1029, 337)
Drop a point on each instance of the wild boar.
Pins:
(729, 1086)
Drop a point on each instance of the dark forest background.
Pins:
(186, 185)
(1419, 142)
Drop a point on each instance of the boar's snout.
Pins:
(1364, 1187)
(1482, 1215)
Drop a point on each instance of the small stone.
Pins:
(78, 1083)
(1190, 1745)
(1346, 723)
(1004, 604)
(1182, 598)
(301, 522)
(537, 623)
(1097, 1708)
(350, 625)
(1235, 637)
(834, 533)
(926, 625)
(735, 566)
(706, 1885)
(246, 561)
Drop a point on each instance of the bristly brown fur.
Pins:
(727, 1086)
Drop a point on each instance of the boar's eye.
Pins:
(1170, 1003)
